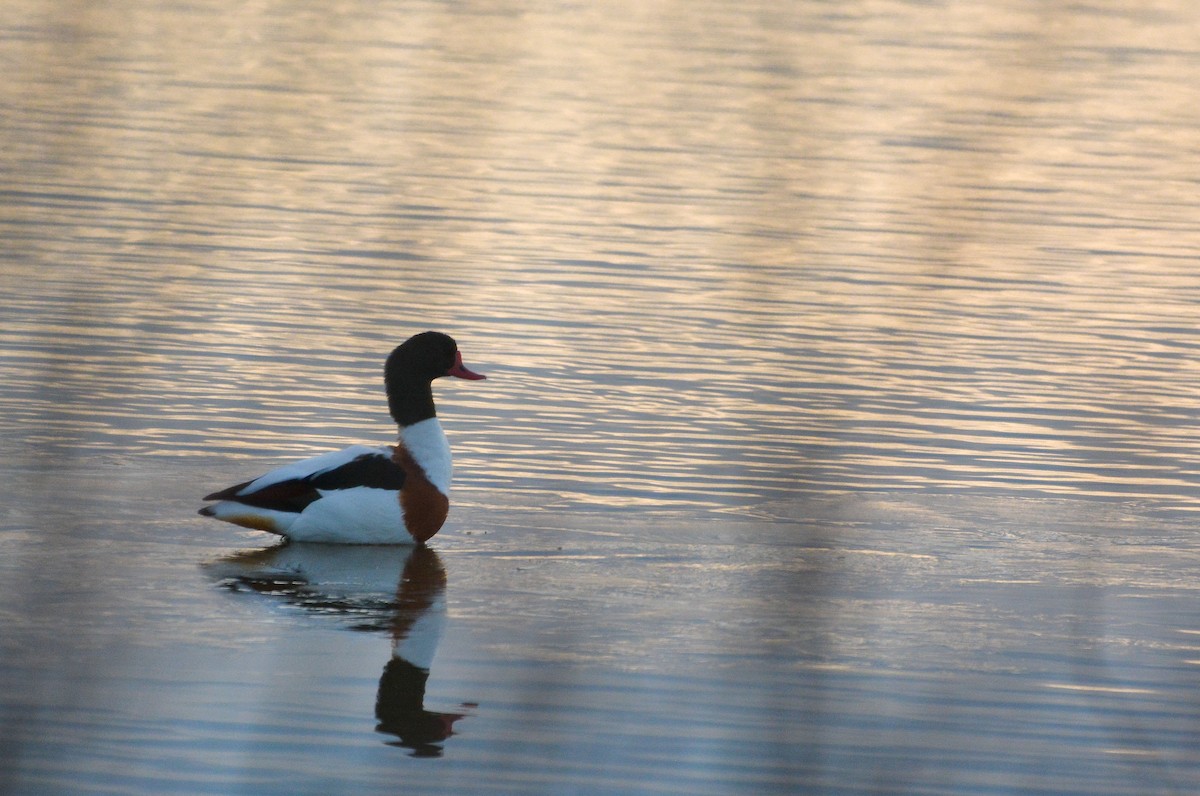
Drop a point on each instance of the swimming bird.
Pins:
(365, 495)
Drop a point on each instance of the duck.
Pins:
(395, 494)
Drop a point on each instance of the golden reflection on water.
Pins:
(711, 258)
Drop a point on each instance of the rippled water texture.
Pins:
(841, 426)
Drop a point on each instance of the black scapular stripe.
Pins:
(294, 495)
(371, 469)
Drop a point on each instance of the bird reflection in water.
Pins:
(359, 583)
(418, 620)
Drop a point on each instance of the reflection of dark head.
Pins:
(400, 709)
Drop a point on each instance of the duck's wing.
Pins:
(293, 486)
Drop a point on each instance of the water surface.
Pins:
(841, 427)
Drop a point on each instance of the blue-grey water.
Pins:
(842, 429)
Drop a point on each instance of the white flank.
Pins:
(359, 515)
(427, 444)
(421, 642)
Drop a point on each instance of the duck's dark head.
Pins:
(410, 369)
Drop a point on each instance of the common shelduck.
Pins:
(365, 495)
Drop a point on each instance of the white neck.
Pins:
(427, 444)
